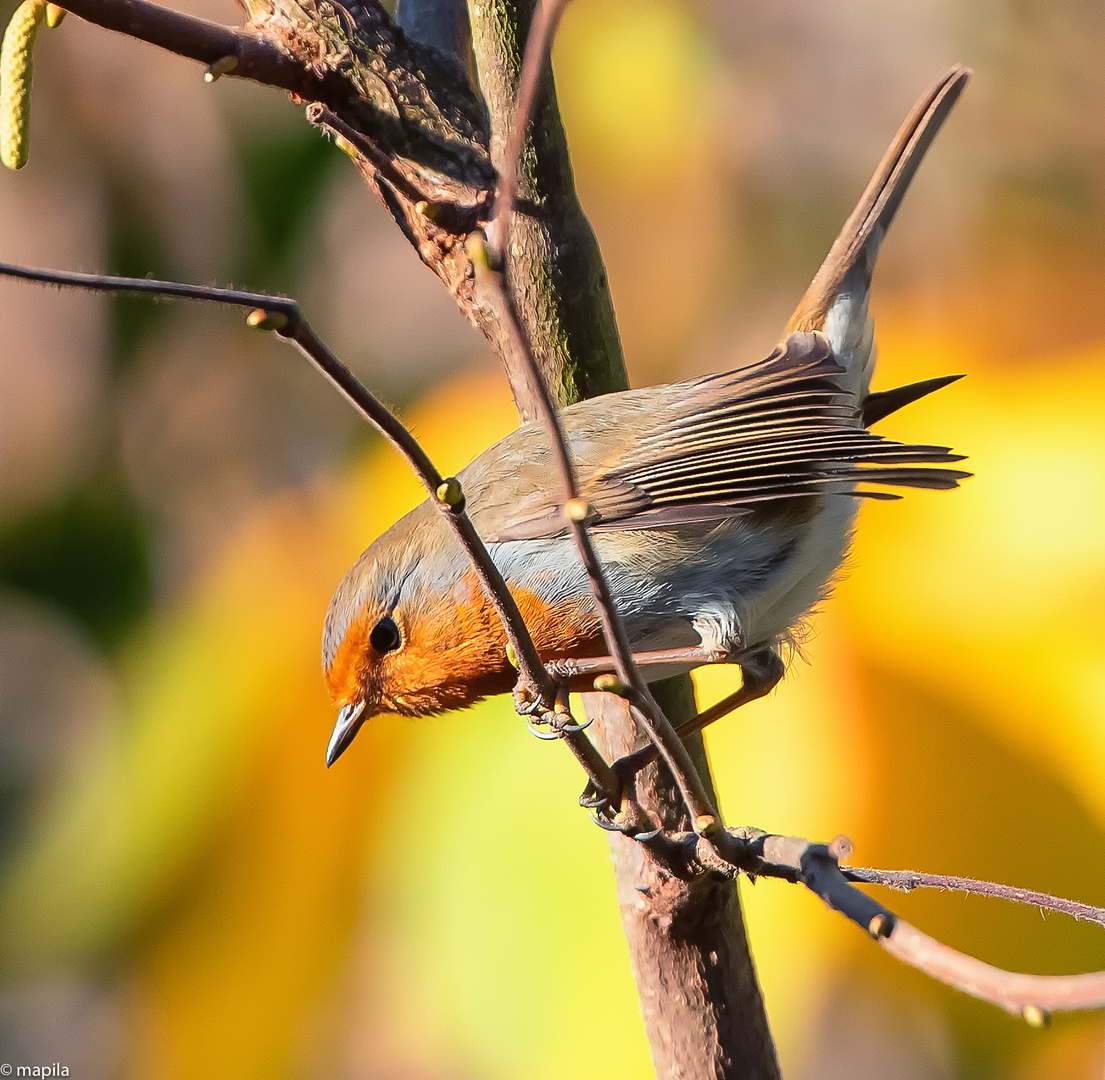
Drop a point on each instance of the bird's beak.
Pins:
(349, 723)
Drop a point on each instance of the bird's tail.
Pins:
(836, 301)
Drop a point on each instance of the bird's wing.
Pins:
(782, 428)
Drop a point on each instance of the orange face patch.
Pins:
(453, 654)
(345, 679)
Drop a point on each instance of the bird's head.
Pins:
(409, 631)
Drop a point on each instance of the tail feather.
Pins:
(853, 253)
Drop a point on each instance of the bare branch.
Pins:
(1029, 996)
(908, 880)
(257, 57)
(546, 19)
(418, 108)
(817, 867)
(556, 268)
(495, 270)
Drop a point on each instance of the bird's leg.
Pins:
(691, 656)
(760, 674)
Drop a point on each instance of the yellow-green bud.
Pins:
(223, 66)
(611, 684)
(706, 825)
(577, 510)
(1035, 1017)
(450, 493)
(476, 250)
(55, 15)
(260, 319)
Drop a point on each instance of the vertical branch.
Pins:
(701, 1002)
(559, 281)
(702, 1006)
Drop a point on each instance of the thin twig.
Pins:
(546, 18)
(908, 880)
(495, 271)
(817, 867)
(290, 324)
(258, 58)
(317, 113)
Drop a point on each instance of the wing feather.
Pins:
(782, 428)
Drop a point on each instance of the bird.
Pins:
(722, 507)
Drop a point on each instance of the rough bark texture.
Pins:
(701, 1002)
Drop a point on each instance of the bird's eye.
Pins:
(385, 636)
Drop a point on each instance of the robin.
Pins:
(722, 508)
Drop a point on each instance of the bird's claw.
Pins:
(592, 798)
(628, 821)
(550, 735)
(557, 718)
(558, 723)
(526, 703)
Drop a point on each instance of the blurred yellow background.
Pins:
(186, 891)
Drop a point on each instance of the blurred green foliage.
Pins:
(87, 553)
(284, 178)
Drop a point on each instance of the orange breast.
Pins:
(456, 653)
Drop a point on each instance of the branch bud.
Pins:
(450, 493)
(346, 147)
(706, 825)
(577, 510)
(480, 254)
(223, 66)
(260, 319)
(611, 684)
(511, 656)
(1035, 1017)
(476, 250)
(879, 926)
(55, 15)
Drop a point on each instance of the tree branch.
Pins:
(702, 1006)
(908, 880)
(816, 866)
(661, 734)
(555, 267)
